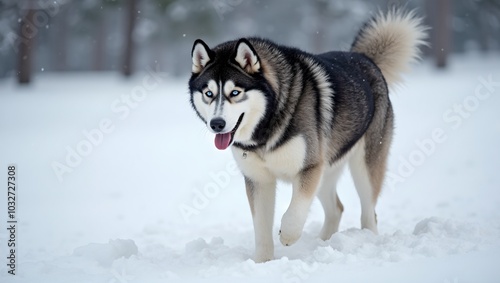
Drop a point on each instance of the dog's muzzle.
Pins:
(224, 140)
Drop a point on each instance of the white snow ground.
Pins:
(116, 217)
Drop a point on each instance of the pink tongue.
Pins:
(222, 141)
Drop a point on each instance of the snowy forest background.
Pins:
(126, 36)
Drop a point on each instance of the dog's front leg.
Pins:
(261, 196)
(305, 185)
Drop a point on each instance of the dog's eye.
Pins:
(209, 93)
(235, 92)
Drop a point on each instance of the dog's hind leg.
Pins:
(366, 186)
(330, 201)
(368, 163)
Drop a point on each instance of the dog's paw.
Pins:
(263, 256)
(290, 231)
(327, 231)
(288, 238)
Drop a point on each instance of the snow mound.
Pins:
(213, 252)
(106, 254)
(439, 227)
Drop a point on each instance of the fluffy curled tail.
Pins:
(392, 41)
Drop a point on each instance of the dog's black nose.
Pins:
(217, 124)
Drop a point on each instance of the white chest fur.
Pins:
(283, 163)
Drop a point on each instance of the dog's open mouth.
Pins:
(223, 141)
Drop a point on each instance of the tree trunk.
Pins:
(27, 31)
(131, 11)
(100, 41)
(61, 39)
(442, 35)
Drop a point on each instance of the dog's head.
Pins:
(228, 90)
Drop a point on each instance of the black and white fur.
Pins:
(301, 118)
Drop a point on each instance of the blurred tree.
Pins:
(100, 41)
(8, 36)
(439, 12)
(27, 33)
(131, 18)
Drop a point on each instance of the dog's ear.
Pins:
(246, 57)
(201, 55)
